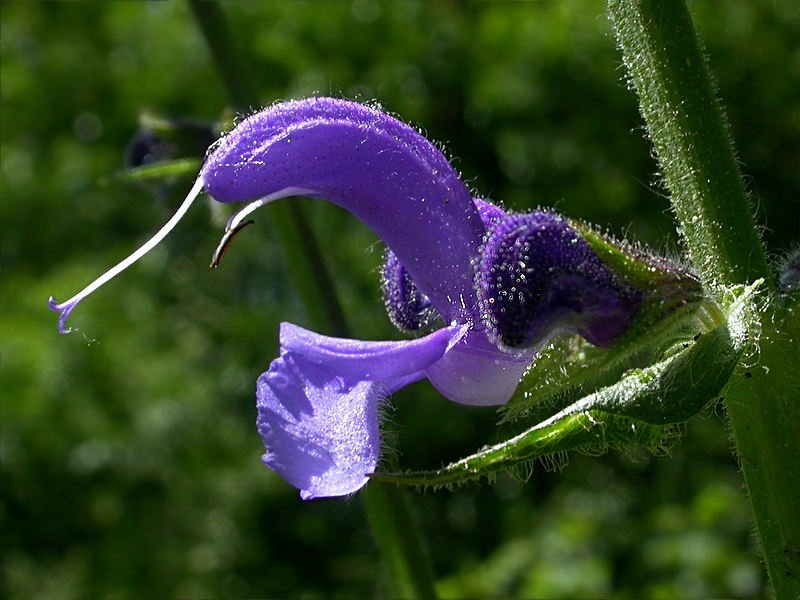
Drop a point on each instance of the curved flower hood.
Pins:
(377, 168)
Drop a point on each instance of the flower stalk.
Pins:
(669, 72)
(397, 535)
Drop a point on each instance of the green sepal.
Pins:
(569, 364)
(675, 307)
(672, 291)
(646, 271)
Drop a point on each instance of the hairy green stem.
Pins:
(669, 72)
(764, 411)
(668, 69)
(396, 532)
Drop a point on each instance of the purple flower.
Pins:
(500, 284)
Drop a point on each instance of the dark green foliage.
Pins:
(131, 464)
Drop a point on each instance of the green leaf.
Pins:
(163, 170)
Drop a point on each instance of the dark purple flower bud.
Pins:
(538, 276)
(163, 138)
(490, 214)
(145, 148)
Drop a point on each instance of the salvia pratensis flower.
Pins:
(499, 284)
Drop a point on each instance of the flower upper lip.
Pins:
(379, 169)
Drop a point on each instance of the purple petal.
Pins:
(371, 361)
(381, 170)
(318, 404)
(407, 307)
(475, 372)
(490, 214)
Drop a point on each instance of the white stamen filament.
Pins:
(241, 215)
(149, 245)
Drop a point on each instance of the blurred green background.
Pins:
(131, 465)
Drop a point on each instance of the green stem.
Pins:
(308, 272)
(400, 542)
(226, 53)
(764, 412)
(396, 533)
(668, 69)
